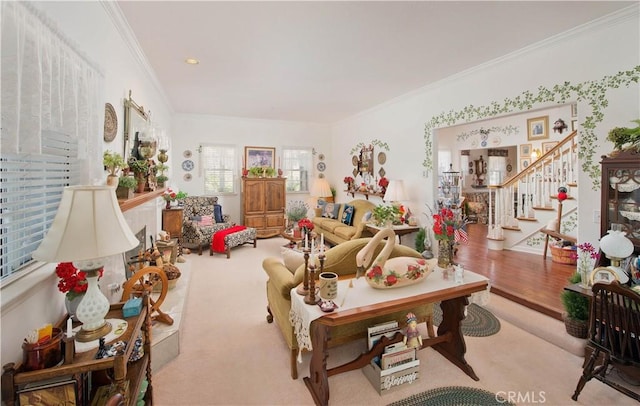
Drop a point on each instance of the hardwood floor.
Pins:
(524, 278)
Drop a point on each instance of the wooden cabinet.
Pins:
(172, 222)
(126, 376)
(263, 205)
(621, 194)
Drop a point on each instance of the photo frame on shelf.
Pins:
(53, 393)
(538, 128)
(259, 156)
(603, 274)
(525, 150)
(548, 146)
(524, 163)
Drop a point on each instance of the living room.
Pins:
(582, 56)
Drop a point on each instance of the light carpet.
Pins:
(230, 355)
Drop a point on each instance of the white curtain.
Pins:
(47, 85)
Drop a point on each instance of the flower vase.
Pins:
(168, 205)
(584, 277)
(445, 252)
(72, 305)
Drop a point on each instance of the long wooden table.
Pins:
(449, 341)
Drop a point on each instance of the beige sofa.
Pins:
(336, 232)
(340, 259)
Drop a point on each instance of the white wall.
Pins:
(195, 130)
(35, 300)
(589, 53)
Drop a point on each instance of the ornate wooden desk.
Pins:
(367, 302)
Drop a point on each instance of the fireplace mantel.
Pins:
(139, 198)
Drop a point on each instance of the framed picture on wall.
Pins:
(538, 128)
(525, 150)
(524, 163)
(548, 146)
(574, 125)
(260, 157)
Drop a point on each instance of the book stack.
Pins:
(398, 365)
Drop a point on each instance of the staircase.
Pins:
(527, 210)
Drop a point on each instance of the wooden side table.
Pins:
(172, 222)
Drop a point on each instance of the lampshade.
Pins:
(320, 188)
(395, 192)
(616, 246)
(88, 227)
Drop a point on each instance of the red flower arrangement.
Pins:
(383, 182)
(445, 224)
(305, 224)
(72, 282)
(348, 180)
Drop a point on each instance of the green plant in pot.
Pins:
(126, 184)
(162, 179)
(384, 215)
(576, 307)
(113, 162)
(140, 168)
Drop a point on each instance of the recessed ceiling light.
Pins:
(192, 61)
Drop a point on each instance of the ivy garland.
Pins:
(508, 130)
(592, 92)
(374, 142)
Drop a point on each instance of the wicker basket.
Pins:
(576, 328)
(562, 256)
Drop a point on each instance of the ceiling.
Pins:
(325, 61)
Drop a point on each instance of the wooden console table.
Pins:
(398, 230)
(449, 341)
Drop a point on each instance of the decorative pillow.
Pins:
(205, 221)
(292, 259)
(217, 213)
(367, 217)
(347, 215)
(331, 210)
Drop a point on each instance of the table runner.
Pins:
(361, 294)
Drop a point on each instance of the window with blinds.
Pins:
(31, 187)
(218, 163)
(296, 166)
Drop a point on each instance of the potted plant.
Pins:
(140, 167)
(384, 215)
(126, 184)
(624, 138)
(112, 162)
(162, 179)
(576, 307)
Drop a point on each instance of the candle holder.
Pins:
(311, 298)
(303, 288)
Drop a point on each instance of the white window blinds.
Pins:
(218, 166)
(296, 166)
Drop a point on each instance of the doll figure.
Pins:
(412, 337)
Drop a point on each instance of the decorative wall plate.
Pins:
(321, 175)
(110, 123)
(321, 166)
(509, 168)
(382, 172)
(187, 153)
(382, 158)
(355, 172)
(321, 157)
(187, 177)
(187, 165)
(354, 160)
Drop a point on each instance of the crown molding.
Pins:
(122, 26)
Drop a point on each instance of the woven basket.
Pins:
(562, 256)
(576, 328)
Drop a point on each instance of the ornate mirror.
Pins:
(136, 128)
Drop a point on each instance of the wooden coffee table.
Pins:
(293, 241)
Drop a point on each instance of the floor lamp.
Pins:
(88, 227)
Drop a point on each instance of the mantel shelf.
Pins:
(353, 193)
(139, 199)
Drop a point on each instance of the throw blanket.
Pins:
(217, 242)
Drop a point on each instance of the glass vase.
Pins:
(445, 252)
(584, 277)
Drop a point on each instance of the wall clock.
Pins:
(187, 165)
(321, 166)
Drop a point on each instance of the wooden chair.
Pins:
(555, 233)
(614, 336)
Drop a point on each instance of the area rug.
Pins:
(453, 396)
(479, 322)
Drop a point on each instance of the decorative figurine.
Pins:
(412, 337)
(559, 126)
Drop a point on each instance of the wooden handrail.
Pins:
(547, 156)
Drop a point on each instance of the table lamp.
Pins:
(88, 227)
(320, 189)
(616, 246)
(395, 192)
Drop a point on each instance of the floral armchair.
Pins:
(202, 216)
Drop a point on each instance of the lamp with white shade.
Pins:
(321, 189)
(395, 192)
(616, 246)
(88, 227)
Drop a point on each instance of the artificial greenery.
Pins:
(420, 237)
(383, 214)
(113, 162)
(139, 166)
(591, 93)
(297, 210)
(162, 179)
(127, 182)
(257, 171)
(621, 136)
(575, 304)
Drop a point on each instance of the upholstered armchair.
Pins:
(340, 259)
(202, 216)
